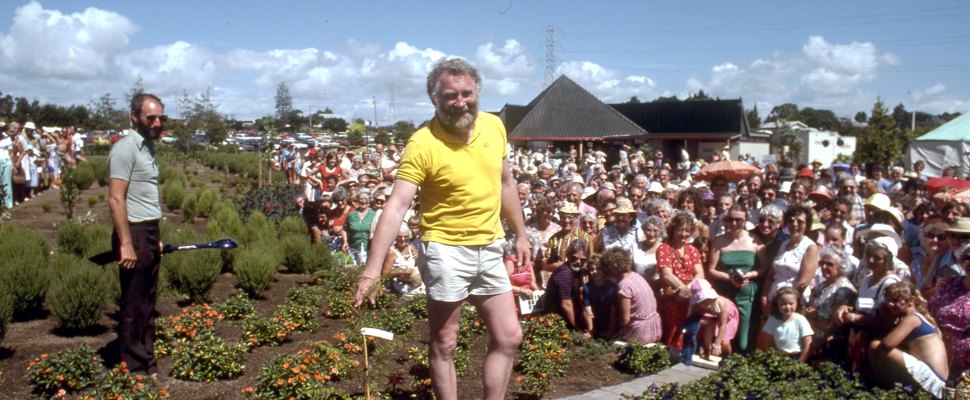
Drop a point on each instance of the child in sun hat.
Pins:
(719, 318)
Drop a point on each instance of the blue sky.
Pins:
(346, 55)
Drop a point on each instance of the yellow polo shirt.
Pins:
(461, 183)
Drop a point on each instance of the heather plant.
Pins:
(76, 297)
(6, 312)
(173, 194)
(192, 274)
(301, 256)
(84, 176)
(258, 228)
(69, 370)
(207, 199)
(237, 307)
(71, 239)
(100, 167)
(190, 209)
(293, 225)
(46, 207)
(225, 220)
(255, 268)
(24, 270)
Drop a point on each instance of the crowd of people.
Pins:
(822, 264)
(31, 158)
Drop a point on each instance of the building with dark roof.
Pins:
(565, 112)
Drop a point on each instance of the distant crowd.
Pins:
(819, 262)
(31, 158)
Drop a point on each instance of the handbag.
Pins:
(19, 176)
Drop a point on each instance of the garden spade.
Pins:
(375, 333)
(108, 257)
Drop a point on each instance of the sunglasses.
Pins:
(936, 236)
(151, 118)
(733, 220)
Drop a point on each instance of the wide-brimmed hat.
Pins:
(700, 290)
(609, 185)
(785, 187)
(588, 193)
(817, 161)
(886, 242)
(568, 208)
(820, 192)
(531, 169)
(962, 226)
(655, 187)
(880, 201)
(30, 125)
(624, 206)
(883, 230)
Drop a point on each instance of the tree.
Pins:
(105, 116)
(785, 138)
(136, 89)
(203, 115)
(754, 120)
(821, 119)
(787, 111)
(284, 104)
(403, 131)
(700, 95)
(861, 117)
(634, 100)
(881, 141)
(356, 131)
(334, 125)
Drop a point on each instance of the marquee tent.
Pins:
(948, 145)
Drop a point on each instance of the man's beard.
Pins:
(148, 132)
(459, 120)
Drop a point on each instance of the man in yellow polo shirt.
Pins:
(458, 161)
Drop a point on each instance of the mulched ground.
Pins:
(28, 339)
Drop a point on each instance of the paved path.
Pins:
(679, 373)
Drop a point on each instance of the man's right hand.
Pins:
(366, 286)
(128, 258)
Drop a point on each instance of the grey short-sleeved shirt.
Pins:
(132, 159)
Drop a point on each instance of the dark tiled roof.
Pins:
(566, 111)
(687, 118)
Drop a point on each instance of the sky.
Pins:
(370, 59)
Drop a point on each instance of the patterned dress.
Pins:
(950, 306)
(673, 312)
(644, 321)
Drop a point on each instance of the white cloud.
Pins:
(172, 68)
(850, 59)
(609, 85)
(506, 69)
(49, 44)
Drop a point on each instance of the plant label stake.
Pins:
(365, 332)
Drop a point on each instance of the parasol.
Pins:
(962, 196)
(934, 185)
(732, 171)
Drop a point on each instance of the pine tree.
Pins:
(881, 142)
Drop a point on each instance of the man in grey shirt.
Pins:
(136, 241)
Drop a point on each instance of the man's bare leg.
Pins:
(504, 336)
(443, 332)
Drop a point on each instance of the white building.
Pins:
(826, 146)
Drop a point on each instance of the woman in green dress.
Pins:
(732, 268)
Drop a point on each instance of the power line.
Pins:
(551, 61)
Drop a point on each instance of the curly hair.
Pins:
(680, 219)
(905, 291)
(616, 260)
(453, 66)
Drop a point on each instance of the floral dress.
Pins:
(674, 312)
(950, 306)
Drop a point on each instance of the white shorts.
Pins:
(452, 273)
(924, 375)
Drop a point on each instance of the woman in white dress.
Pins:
(400, 265)
(797, 259)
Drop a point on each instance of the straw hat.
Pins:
(624, 206)
(568, 208)
(962, 226)
(655, 187)
(880, 201)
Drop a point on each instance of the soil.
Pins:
(30, 338)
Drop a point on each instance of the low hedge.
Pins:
(76, 297)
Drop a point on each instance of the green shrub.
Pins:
(262, 331)
(69, 190)
(190, 209)
(93, 200)
(298, 254)
(225, 221)
(69, 370)
(173, 194)
(27, 282)
(417, 305)
(207, 199)
(207, 358)
(293, 225)
(237, 307)
(191, 273)
(72, 239)
(6, 311)
(168, 173)
(47, 207)
(643, 359)
(307, 295)
(83, 239)
(257, 229)
(76, 297)
(302, 316)
(100, 167)
(84, 176)
(255, 268)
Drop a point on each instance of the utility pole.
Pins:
(912, 127)
(550, 44)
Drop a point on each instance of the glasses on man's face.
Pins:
(935, 236)
(800, 221)
(731, 220)
(848, 187)
(151, 118)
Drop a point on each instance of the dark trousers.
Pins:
(139, 287)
